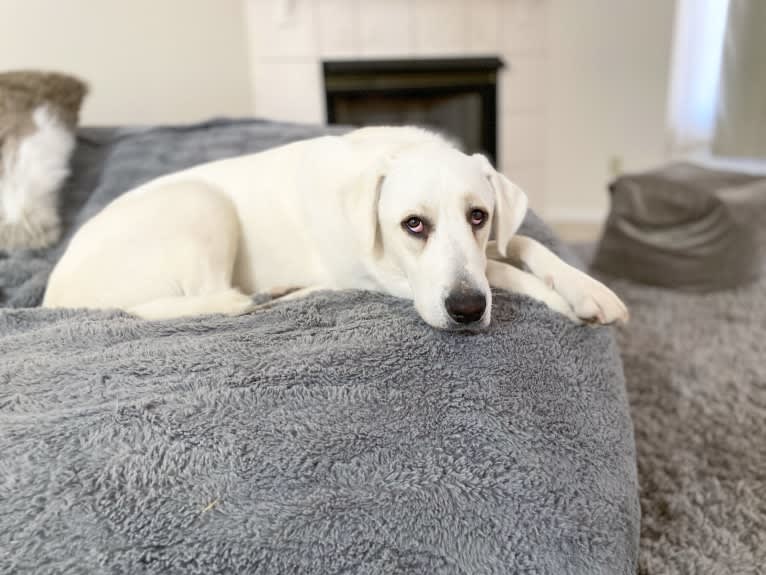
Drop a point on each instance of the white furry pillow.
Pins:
(38, 117)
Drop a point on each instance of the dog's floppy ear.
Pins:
(510, 205)
(360, 203)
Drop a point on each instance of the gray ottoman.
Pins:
(686, 227)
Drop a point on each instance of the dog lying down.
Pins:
(394, 210)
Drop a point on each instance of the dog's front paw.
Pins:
(556, 302)
(593, 302)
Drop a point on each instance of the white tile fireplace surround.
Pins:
(290, 38)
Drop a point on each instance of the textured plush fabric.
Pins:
(333, 434)
(38, 116)
(696, 379)
(686, 227)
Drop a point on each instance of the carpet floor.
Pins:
(695, 368)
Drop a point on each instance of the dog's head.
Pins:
(430, 210)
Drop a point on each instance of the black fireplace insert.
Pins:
(455, 96)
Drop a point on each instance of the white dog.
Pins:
(394, 210)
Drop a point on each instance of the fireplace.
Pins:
(455, 96)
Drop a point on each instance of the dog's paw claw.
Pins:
(590, 300)
(600, 305)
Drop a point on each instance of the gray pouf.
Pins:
(686, 227)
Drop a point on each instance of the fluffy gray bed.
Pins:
(338, 434)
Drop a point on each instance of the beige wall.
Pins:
(286, 48)
(587, 80)
(586, 87)
(146, 60)
(607, 91)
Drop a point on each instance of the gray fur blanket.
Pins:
(338, 434)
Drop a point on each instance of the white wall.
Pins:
(146, 60)
(586, 85)
(587, 79)
(607, 93)
(286, 48)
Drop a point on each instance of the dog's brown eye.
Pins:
(415, 225)
(478, 217)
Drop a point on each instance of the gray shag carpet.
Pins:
(337, 434)
(695, 370)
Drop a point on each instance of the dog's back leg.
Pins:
(227, 302)
(159, 253)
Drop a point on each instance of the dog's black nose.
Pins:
(466, 306)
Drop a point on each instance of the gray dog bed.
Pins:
(337, 434)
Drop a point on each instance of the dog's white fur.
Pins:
(30, 178)
(325, 213)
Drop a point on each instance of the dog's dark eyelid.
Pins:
(481, 213)
(414, 221)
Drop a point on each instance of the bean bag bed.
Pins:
(334, 434)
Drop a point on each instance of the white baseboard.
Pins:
(588, 215)
(574, 226)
